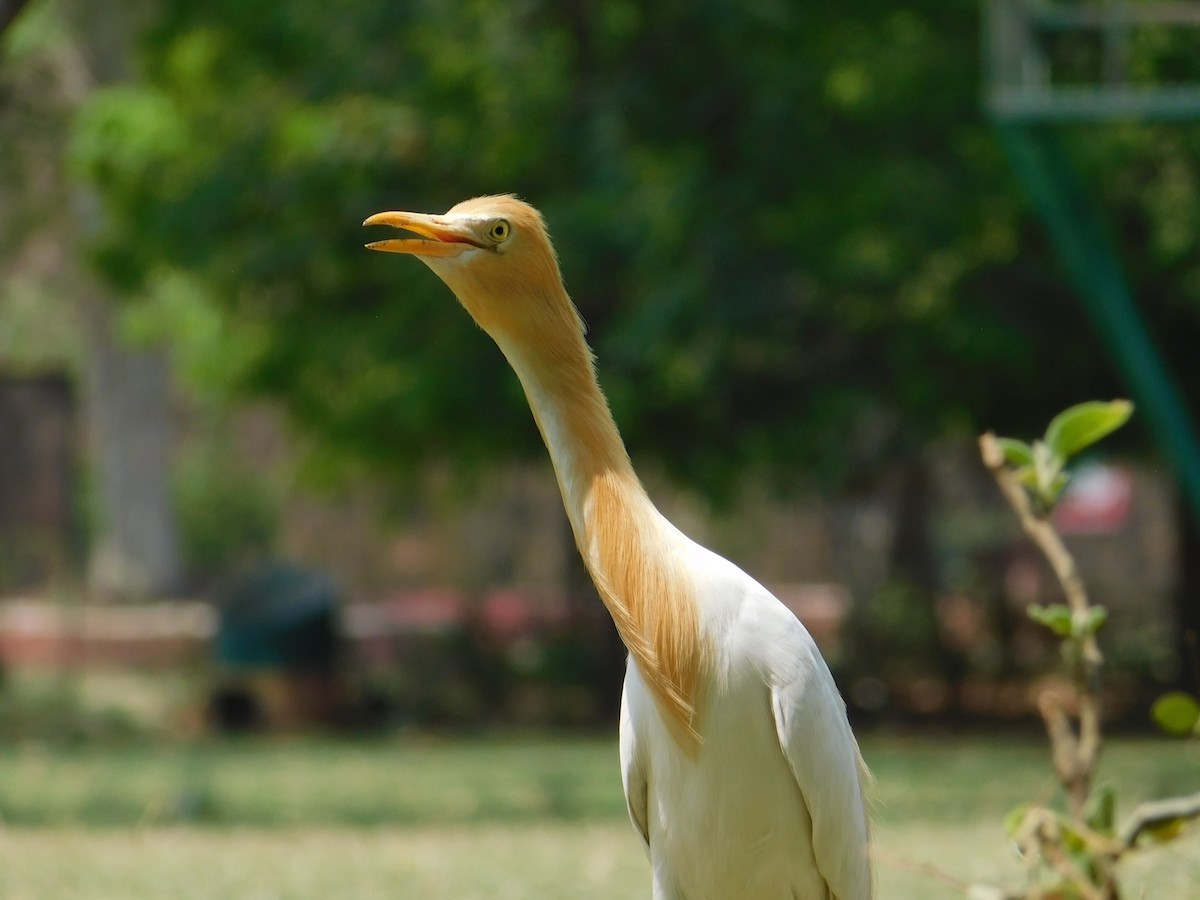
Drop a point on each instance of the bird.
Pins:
(740, 770)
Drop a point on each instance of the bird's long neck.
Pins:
(632, 553)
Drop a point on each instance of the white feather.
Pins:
(771, 806)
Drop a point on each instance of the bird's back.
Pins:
(769, 804)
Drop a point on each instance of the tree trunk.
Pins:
(135, 552)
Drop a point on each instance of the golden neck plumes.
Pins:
(630, 551)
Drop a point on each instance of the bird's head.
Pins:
(495, 255)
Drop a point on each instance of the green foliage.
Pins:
(1017, 454)
(1165, 832)
(1100, 812)
(1075, 854)
(1041, 467)
(209, 350)
(226, 517)
(1057, 617)
(1060, 620)
(1015, 818)
(784, 226)
(1177, 713)
(1077, 428)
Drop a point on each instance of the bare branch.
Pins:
(932, 872)
(1064, 748)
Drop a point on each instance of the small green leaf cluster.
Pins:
(1066, 624)
(1084, 842)
(1074, 855)
(1041, 466)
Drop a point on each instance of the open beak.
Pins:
(439, 236)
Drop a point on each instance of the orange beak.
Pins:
(439, 236)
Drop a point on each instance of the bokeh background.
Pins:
(286, 589)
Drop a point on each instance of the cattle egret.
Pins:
(740, 770)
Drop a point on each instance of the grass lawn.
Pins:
(416, 817)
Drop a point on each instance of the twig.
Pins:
(930, 871)
(1064, 746)
(1053, 853)
(1042, 835)
(1158, 812)
(1043, 534)
(1074, 757)
(1039, 839)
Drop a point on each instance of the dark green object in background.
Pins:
(281, 617)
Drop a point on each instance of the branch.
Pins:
(1159, 812)
(1063, 744)
(929, 871)
(1039, 839)
(1038, 528)
(1074, 758)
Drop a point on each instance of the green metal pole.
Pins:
(1092, 265)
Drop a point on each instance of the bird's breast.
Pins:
(728, 820)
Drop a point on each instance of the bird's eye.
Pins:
(499, 230)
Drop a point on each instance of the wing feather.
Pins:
(810, 719)
(633, 776)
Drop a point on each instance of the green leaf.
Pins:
(1057, 486)
(1162, 832)
(1050, 479)
(1015, 818)
(1028, 477)
(1073, 841)
(1176, 713)
(1056, 617)
(1082, 425)
(1016, 453)
(1090, 622)
(1100, 811)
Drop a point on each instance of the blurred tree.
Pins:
(798, 246)
(55, 312)
(789, 229)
